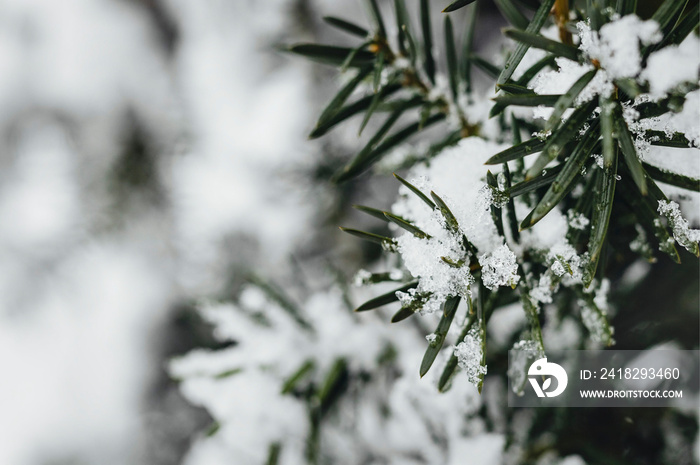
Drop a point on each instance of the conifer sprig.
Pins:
(401, 75)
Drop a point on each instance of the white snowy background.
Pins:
(89, 275)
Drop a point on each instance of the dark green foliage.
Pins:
(579, 126)
(512, 13)
(564, 182)
(566, 101)
(615, 191)
(603, 205)
(385, 299)
(517, 151)
(332, 55)
(533, 28)
(346, 26)
(449, 312)
(549, 45)
(457, 5)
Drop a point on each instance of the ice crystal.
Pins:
(682, 232)
(598, 159)
(469, 356)
(566, 255)
(558, 269)
(423, 302)
(577, 220)
(502, 181)
(499, 268)
(543, 134)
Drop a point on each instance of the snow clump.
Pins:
(441, 261)
(469, 355)
(499, 268)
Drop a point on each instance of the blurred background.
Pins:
(154, 152)
(147, 150)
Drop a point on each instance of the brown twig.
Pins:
(561, 14)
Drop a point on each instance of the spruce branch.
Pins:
(592, 141)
